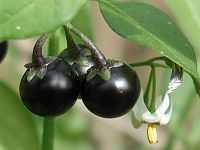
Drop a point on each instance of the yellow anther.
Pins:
(152, 134)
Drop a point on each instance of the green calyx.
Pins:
(40, 73)
(91, 73)
(104, 73)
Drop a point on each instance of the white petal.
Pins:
(135, 122)
(158, 101)
(164, 105)
(158, 115)
(151, 118)
(165, 119)
(140, 108)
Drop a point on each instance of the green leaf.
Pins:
(83, 22)
(148, 26)
(17, 127)
(187, 14)
(26, 18)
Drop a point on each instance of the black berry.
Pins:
(49, 87)
(3, 49)
(114, 97)
(52, 95)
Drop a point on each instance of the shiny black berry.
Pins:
(114, 97)
(110, 88)
(49, 87)
(52, 95)
(3, 49)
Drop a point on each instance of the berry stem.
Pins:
(70, 41)
(53, 44)
(72, 49)
(153, 98)
(48, 133)
(96, 53)
(37, 57)
(146, 95)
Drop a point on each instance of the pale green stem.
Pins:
(48, 133)
(150, 62)
(146, 95)
(53, 45)
(49, 123)
(153, 99)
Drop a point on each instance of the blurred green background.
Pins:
(78, 129)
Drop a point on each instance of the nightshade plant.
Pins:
(141, 23)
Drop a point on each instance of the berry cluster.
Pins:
(51, 86)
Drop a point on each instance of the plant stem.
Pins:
(100, 59)
(146, 95)
(37, 57)
(150, 63)
(70, 41)
(49, 123)
(48, 133)
(53, 45)
(153, 99)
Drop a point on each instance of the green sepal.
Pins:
(31, 74)
(87, 52)
(83, 61)
(71, 58)
(115, 63)
(105, 73)
(91, 73)
(40, 73)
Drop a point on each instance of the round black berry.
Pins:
(3, 49)
(52, 95)
(111, 88)
(49, 87)
(113, 97)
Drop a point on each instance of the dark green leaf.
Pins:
(17, 128)
(187, 14)
(83, 22)
(148, 26)
(26, 18)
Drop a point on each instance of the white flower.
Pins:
(162, 114)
